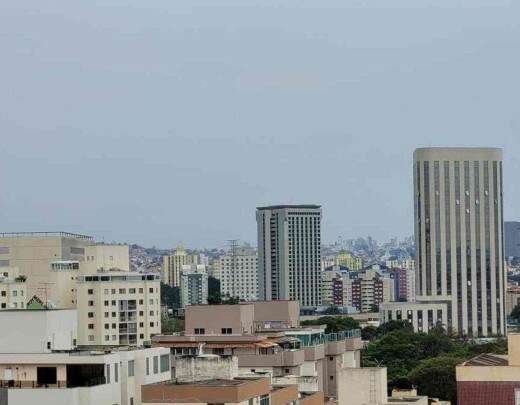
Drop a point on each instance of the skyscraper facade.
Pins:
(459, 236)
(289, 253)
(512, 239)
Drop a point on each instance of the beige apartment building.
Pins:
(172, 265)
(32, 253)
(459, 236)
(118, 308)
(106, 257)
(13, 290)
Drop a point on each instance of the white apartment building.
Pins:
(368, 291)
(13, 291)
(194, 285)
(40, 364)
(239, 274)
(289, 253)
(118, 308)
(172, 265)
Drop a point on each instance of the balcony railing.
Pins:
(32, 384)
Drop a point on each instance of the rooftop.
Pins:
(44, 235)
(487, 359)
(301, 206)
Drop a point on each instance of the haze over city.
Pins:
(168, 122)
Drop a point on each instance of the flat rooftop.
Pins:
(300, 206)
(45, 235)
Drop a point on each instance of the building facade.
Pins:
(512, 238)
(368, 291)
(194, 285)
(13, 291)
(347, 259)
(289, 253)
(172, 265)
(239, 274)
(459, 236)
(118, 308)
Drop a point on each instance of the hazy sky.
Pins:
(160, 122)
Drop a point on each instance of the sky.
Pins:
(165, 122)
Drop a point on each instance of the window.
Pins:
(131, 401)
(165, 362)
(264, 399)
(151, 313)
(113, 302)
(90, 291)
(131, 368)
(90, 338)
(141, 302)
(113, 314)
(122, 291)
(108, 374)
(147, 366)
(151, 290)
(91, 326)
(113, 326)
(331, 377)
(107, 338)
(3, 305)
(114, 337)
(116, 372)
(131, 290)
(151, 324)
(141, 324)
(91, 303)
(106, 303)
(227, 331)
(3, 293)
(48, 345)
(141, 336)
(141, 313)
(15, 293)
(141, 291)
(107, 326)
(113, 290)
(331, 358)
(106, 291)
(106, 314)
(200, 331)
(155, 364)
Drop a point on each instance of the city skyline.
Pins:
(144, 133)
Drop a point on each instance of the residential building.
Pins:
(491, 378)
(239, 274)
(172, 265)
(118, 308)
(13, 291)
(348, 260)
(459, 236)
(368, 291)
(422, 315)
(32, 253)
(407, 264)
(266, 339)
(332, 287)
(404, 283)
(253, 391)
(194, 285)
(40, 363)
(512, 238)
(289, 253)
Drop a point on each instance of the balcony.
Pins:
(281, 359)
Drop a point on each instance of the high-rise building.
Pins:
(194, 284)
(239, 274)
(512, 238)
(459, 236)
(348, 260)
(368, 291)
(118, 308)
(172, 265)
(289, 253)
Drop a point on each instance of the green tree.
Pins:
(435, 377)
(334, 323)
(214, 291)
(170, 296)
(515, 314)
(171, 325)
(369, 333)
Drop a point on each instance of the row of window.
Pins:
(107, 291)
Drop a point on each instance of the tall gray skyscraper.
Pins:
(512, 238)
(289, 253)
(459, 236)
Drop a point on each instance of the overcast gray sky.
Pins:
(163, 121)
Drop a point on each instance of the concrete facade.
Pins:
(194, 285)
(459, 236)
(118, 308)
(362, 386)
(289, 253)
(13, 290)
(213, 319)
(422, 315)
(238, 274)
(106, 257)
(172, 265)
(512, 238)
